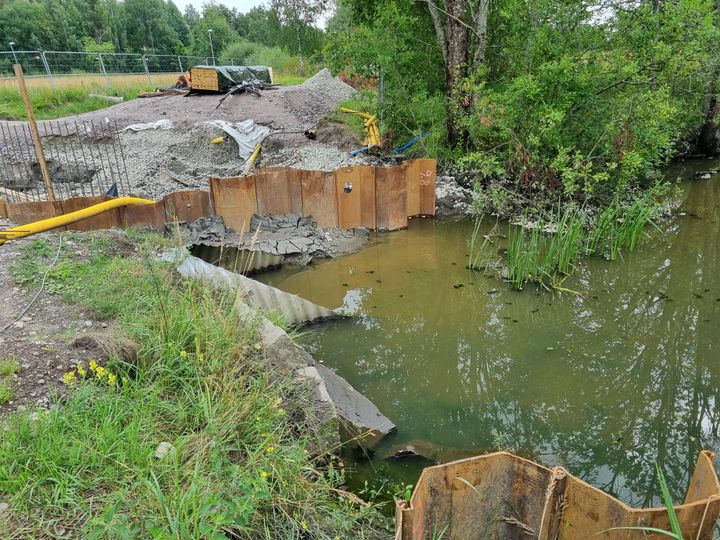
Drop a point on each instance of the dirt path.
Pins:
(40, 341)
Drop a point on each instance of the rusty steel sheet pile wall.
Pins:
(377, 198)
(181, 205)
(503, 496)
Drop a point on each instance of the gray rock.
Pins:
(324, 426)
(361, 422)
(280, 351)
(164, 449)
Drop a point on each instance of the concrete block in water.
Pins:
(362, 423)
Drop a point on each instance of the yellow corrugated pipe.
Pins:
(372, 128)
(66, 219)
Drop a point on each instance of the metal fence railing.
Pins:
(83, 159)
(53, 65)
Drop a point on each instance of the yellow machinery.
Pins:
(372, 127)
(66, 219)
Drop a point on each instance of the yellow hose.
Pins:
(251, 160)
(66, 219)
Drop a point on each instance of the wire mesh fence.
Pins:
(56, 67)
(83, 159)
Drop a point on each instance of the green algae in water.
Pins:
(605, 384)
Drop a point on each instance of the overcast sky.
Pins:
(243, 6)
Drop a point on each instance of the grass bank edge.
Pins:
(239, 463)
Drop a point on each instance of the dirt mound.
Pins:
(339, 134)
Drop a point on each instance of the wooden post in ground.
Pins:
(34, 131)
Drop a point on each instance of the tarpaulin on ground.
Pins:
(229, 76)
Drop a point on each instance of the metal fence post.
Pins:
(102, 67)
(47, 69)
(180, 64)
(147, 71)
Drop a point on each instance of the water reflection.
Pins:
(605, 384)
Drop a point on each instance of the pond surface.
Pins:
(605, 384)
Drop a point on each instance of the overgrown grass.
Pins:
(49, 103)
(239, 467)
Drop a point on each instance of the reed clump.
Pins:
(546, 251)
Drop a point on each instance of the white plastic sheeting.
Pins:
(247, 134)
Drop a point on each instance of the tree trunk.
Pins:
(439, 29)
(480, 26)
(456, 64)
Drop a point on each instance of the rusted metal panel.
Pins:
(278, 191)
(390, 198)
(106, 220)
(504, 496)
(22, 213)
(234, 200)
(186, 205)
(144, 216)
(356, 208)
(319, 199)
(420, 175)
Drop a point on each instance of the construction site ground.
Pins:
(179, 155)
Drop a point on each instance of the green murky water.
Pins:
(604, 384)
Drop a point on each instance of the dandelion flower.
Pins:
(263, 474)
(304, 524)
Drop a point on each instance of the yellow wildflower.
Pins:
(183, 354)
(304, 524)
(111, 379)
(200, 358)
(270, 449)
(69, 378)
(92, 365)
(81, 370)
(281, 410)
(100, 372)
(263, 474)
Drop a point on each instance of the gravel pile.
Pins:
(316, 97)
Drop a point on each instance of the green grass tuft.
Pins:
(8, 367)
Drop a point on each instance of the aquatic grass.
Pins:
(547, 253)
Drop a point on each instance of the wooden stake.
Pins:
(34, 131)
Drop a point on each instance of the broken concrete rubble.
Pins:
(301, 239)
(452, 201)
(290, 238)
